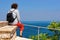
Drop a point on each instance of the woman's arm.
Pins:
(18, 16)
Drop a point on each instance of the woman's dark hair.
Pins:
(14, 5)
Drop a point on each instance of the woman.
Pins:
(14, 9)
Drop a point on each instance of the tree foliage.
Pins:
(53, 27)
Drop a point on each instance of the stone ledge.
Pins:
(3, 23)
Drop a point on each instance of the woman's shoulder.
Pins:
(13, 9)
(16, 10)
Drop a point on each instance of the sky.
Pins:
(33, 10)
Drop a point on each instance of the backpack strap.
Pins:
(16, 17)
(15, 13)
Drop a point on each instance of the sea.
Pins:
(32, 31)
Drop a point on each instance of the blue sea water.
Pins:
(29, 31)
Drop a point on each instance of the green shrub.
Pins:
(53, 27)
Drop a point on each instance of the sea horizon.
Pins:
(29, 31)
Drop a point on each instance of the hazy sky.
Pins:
(33, 10)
